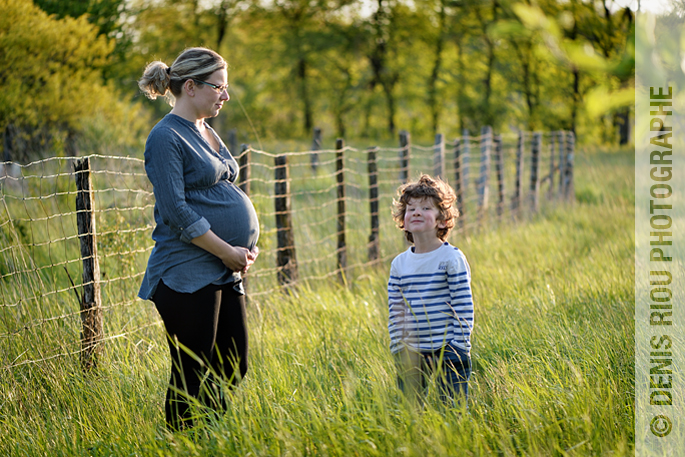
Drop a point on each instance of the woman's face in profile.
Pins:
(212, 93)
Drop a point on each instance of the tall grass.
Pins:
(552, 352)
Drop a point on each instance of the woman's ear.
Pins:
(189, 87)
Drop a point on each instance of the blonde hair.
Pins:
(426, 187)
(193, 63)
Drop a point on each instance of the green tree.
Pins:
(109, 16)
(609, 31)
(163, 29)
(303, 39)
(50, 71)
(384, 47)
(425, 65)
(104, 14)
(435, 14)
(344, 70)
(597, 68)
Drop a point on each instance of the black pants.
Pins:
(207, 336)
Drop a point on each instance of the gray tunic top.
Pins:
(194, 191)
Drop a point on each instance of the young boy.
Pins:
(429, 294)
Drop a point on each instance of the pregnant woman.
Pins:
(205, 235)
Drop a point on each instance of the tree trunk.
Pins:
(460, 90)
(525, 57)
(576, 74)
(7, 144)
(222, 23)
(390, 102)
(378, 61)
(576, 99)
(304, 94)
(622, 121)
(487, 82)
(433, 104)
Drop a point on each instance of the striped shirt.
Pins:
(430, 300)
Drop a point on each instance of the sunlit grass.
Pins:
(552, 353)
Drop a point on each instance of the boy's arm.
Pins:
(459, 280)
(395, 303)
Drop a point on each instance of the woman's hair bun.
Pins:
(155, 80)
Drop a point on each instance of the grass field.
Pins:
(552, 351)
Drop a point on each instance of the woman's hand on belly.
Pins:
(241, 258)
(235, 258)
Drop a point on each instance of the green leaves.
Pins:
(347, 67)
(51, 71)
(44, 60)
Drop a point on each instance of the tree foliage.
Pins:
(350, 67)
(50, 71)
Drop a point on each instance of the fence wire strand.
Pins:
(40, 271)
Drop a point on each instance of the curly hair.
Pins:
(426, 187)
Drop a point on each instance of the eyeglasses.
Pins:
(219, 89)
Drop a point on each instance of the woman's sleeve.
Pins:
(164, 168)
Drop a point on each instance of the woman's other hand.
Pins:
(253, 257)
(235, 258)
(240, 259)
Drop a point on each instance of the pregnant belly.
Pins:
(231, 215)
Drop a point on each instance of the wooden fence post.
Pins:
(499, 171)
(374, 240)
(518, 191)
(484, 180)
(316, 146)
(244, 173)
(562, 162)
(244, 180)
(286, 260)
(405, 148)
(439, 156)
(340, 179)
(552, 166)
(465, 147)
(459, 181)
(232, 141)
(569, 187)
(91, 305)
(534, 172)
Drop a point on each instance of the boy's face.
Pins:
(421, 216)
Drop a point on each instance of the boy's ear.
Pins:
(441, 225)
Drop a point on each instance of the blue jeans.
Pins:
(451, 366)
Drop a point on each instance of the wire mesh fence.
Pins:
(338, 203)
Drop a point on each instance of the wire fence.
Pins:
(325, 215)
